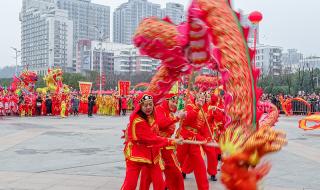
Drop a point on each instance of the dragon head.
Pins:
(26, 81)
(242, 151)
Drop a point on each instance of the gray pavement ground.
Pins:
(81, 153)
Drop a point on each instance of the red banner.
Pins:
(85, 87)
(124, 88)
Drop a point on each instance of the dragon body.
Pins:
(213, 37)
(25, 82)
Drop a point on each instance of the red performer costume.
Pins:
(6, 104)
(56, 102)
(216, 116)
(14, 104)
(142, 149)
(43, 106)
(212, 156)
(1, 105)
(211, 152)
(194, 128)
(166, 121)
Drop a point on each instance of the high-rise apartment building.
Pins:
(291, 59)
(51, 30)
(127, 17)
(269, 60)
(88, 20)
(46, 36)
(175, 12)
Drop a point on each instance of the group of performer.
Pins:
(160, 139)
(62, 104)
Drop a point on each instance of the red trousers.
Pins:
(172, 172)
(218, 150)
(133, 171)
(193, 153)
(212, 159)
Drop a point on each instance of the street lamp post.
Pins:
(255, 17)
(101, 38)
(100, 66)
(16, 57)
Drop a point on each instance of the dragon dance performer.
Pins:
(63, 109)
(28, 105)
(130, 103)
(43, 105)
(166, 121)
(55, 105)
(194, 128)
(22, 107)
(212, 156)
(1, 105)
(6, 103)
(102, 106)
(216, 116)
(114, 105)
(108, 103)
(99, 104)
(211, 152)
(13, 103)
(142, 145)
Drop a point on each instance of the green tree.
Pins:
(72, 79)
(5, 82)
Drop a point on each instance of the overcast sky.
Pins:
(286, 23)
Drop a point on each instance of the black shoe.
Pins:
(219, 157)
(184, 175)
(213, 178)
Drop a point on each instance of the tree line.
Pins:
(110, 81)
(303, 79)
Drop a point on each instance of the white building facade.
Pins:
(51, 30)
(269, 60)
(311, 62)
(175, 12)
(116, 58)
(46, 36)
(128, 16)
(88, 18)
(291, 60)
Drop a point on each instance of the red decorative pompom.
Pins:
(255, 17)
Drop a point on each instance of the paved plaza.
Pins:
(81, 153)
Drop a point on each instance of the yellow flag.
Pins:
(174, 88)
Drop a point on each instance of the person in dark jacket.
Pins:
(91, 103)
(38, 105)
(48, 105)
(75, 105)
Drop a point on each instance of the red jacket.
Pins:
(6, 102)
(194, 126)
(166, 120)
(142, 142)
(124, 103)
(205, 107)
(216, 115)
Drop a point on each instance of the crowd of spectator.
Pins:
(298, 107)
